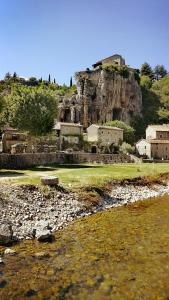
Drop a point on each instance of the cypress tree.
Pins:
(71, 83)
(49, 78)
(14, 75)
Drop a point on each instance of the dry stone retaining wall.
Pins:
(25, 160)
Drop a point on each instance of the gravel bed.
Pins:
(33, 212)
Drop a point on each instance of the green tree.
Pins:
(7, 76)
(161, 89)
(146, 70)
(49, 79)
(15, 75)
(160, 72)
(128, 131)
(54, 81)
(32, 109)
(145, 82)
(71, 83)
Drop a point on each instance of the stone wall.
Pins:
(26, 160)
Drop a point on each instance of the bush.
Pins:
(121, 70)
(126, 148)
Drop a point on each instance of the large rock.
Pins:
(43, 231)
(102, 96)
(6, 233)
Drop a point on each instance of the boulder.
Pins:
(43, 231)
(6, 233)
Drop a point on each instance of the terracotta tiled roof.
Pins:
(106, 127)
(59, 124)
(163, 127)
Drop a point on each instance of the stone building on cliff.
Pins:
(107, 92)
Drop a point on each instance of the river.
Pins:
(121, 253)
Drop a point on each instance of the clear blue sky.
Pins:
(38, 37)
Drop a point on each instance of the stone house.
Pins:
(157, 149)
(160, 132)
(104, 136)
(156, 144)
(68, 129)
(11, 137)
(68, 135)
(115, 59)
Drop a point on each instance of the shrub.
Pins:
(126, 148)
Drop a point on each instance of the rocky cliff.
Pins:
(103, 96)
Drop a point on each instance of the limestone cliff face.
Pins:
(101, 97)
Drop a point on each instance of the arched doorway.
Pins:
(94, 149)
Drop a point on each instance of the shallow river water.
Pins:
(122, 253)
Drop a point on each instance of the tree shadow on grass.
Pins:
(10, 174)
(54, 167)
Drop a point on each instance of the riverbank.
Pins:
(120, 253)
(30, 211)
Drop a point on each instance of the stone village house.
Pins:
(13, 141)
(156, 144)
(67, 134)
(115, 59)
(99, 138)
(104, 137)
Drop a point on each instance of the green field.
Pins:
(81, 175)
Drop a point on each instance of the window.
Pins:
(14, 137)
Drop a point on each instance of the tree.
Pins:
(161, 89)
(7, 76)
(128, 131)
(33, 79)
(49, 78)
(32, 109)
(145, 82)
(71, 83)
(14, 75)
(146, 70)
(54, 81)
(160, 72)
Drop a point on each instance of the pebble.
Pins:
(1, 261)
(41, 255)
(9, 251)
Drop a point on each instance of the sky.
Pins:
(60, 37)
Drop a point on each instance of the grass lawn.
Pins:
(84, 174)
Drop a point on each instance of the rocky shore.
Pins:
(35, 212)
